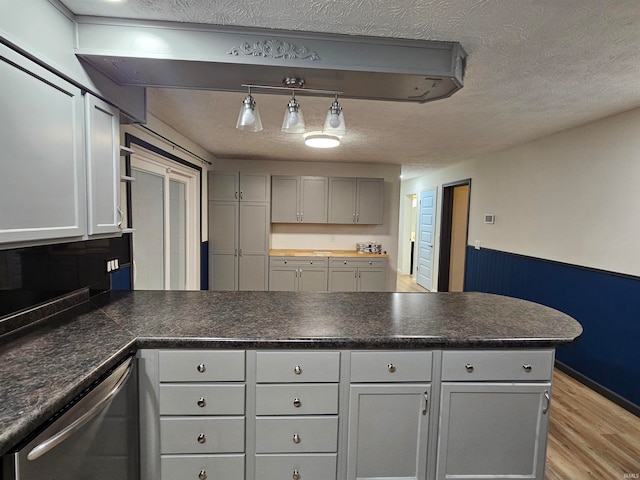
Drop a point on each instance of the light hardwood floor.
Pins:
(590, 437)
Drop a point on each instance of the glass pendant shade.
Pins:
(249, 117)
(293, 119)
(334, 122)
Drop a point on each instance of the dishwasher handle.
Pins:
(92, 411)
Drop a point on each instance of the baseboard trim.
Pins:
(596, 387)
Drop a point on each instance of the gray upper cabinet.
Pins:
(356, 200)
(103, 167)
(238, 231)
(42, 186)
(297, 199)
(233, 186)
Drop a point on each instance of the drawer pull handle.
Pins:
(201, 368)
(297, 403)
(391, 367)
(469, 367)
(202, 438)
(296, 475)
(296, 438)
(202, 402)
(297, 370)
(527, 368)
(202, 475)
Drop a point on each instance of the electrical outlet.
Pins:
(477, 244)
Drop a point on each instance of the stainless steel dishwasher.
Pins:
(94, 437)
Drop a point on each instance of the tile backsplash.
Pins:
(30, 276)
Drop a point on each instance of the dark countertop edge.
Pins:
(325, 343)
(30, 424)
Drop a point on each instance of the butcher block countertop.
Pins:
(323, 253)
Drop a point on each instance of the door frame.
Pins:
(446, 228)
(187, 173)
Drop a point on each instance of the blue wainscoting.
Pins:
(121, 279)
(204, 266)
(606, 304)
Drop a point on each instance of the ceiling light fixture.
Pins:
(321, 140)
(249, 117)
(334, 122)
(293, 119)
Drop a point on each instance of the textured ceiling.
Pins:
(534, 67)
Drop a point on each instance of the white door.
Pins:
(166, 224)
(426, 229)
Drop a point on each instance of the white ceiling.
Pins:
(534, 67)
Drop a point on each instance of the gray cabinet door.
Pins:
(342, 200)
(223, 245)
(283, 279)
(312, 279)
(370, 209)
(255, 187)
(372, 279)
(224, 186)
(42, 186)
(284, 199)
(388, 428)
(313, 199)
(343, 279)
(103, 166)
(253, 246)
(493, 430)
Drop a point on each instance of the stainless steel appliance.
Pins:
(94, 437)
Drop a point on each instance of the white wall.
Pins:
(570, 197)
(333, 237)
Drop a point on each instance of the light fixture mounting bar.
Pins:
(293, 89)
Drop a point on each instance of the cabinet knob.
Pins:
(527, 368)
(202, 475)
(370, 263)
(202, 402)
(297, 370)
(201, 368)
(469, 367)
(345, 262)
(202, 438)
(297, 403)
(296, 475)
(391, 367)
(285, 262)
(296, 438)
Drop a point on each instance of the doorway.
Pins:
(426, 230)
(166, 224)
(453, 235)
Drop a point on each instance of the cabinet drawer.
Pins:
(221, 434)
(519, 365)
(179, 467)
(391, 366)
(298, 261)
(279, 467)
(303, 367)
(357, 262)
(201, 366)
(201, 399)
(297, 399)
(296, 434)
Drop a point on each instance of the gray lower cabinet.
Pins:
(357, 275)
(238, 232)
(389, 408)
(304, 274)
(494, 429)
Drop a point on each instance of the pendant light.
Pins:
(249, 117)
(334, 122)
(293, 119)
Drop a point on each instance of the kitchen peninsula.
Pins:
(329, 379)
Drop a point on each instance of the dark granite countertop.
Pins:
(44, 368)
